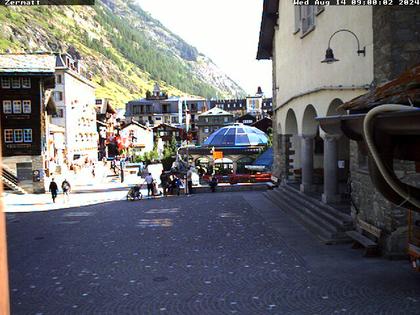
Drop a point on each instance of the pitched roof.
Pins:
(27, 63)
(216, 111)
(405, 89)
(103, 106)
(166, 126)
(56, 129)
(133, 122)
(268, 22)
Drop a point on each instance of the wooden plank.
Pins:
(369, 228)
(4, 278)
(363, 240)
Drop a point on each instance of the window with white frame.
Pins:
(26, 83)
(15, 83)
(60, 113)
(7, 107)
(58, 96)
(5, 83)
(18, 135)
(26, 107)
(17, 107)
(206, 130)
(305, 17)
(59, 79)
(8, 135)
(27, 135)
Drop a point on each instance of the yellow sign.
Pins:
(217, 155)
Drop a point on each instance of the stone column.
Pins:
(307, 162)
(331, 189)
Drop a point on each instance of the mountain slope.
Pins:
(124, 48)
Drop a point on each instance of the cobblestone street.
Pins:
(204, 254)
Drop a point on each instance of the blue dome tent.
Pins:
(236, 135)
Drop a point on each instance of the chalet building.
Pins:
(323, 58)
(26, 81)
(106, 117)
(74, 95)
(157, 108)
(212, 120)
(257, 106)
(264, 124)
(247, 119)
(237, 107)
(138, 138)
(267, 107)
(167, 132)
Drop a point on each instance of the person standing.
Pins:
(53, 189)
(149, 182)
(65, 186)
(189, 181)
(213, 183)
(164, 182)
(176, 185)
(170, 184)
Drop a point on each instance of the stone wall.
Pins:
(372, 207)
(37, 164)
(396, 48)
(396, 40)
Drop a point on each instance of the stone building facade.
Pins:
(323, 160)
(396, 49)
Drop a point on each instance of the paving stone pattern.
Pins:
(205, 254)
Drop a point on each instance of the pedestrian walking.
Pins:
(189, 181)
(164, 182)
(65, 186)
(113, 166)
(149, 182)
(53, 189)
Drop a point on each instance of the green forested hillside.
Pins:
(124, 48)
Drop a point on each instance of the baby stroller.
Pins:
(134, 193)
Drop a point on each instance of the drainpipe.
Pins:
(368, 134)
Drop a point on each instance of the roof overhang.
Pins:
(395, 136)
(401, 123)
(268, 22)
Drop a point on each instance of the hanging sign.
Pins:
(217, 155)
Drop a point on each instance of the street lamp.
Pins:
(329, 54)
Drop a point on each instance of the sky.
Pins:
(227, 31)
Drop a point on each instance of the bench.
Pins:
(367, 237)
